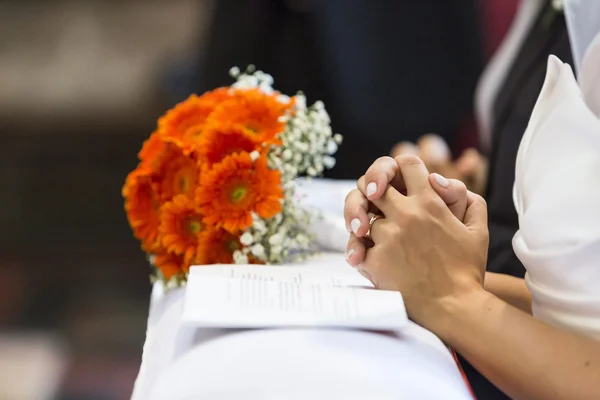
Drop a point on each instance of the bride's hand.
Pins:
(422, 250)
(383, 172)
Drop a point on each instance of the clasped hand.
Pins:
(431, 243)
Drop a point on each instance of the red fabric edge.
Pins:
(462, 372)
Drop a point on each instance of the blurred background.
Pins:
(82, 83)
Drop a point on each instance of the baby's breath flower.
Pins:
(307, 146)
(239, 257)
(246, 239)
(258, 250)
(254, 155)
(234, 72)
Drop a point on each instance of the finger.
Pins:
(453, 192)
(356, 207)
(370, 265)
(382, 172)
(476, 215)
(355, 250)
(364, 273)
(433, 150)
(380, 230)
(404, 148)
(415, 174)
(362, 182)
(389, 203)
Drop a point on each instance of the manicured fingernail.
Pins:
(349, 253)
(443, 182)
(371, 189)
(355, 225)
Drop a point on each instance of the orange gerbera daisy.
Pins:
(181, 227)
(170, 264)
(217, 247)
(185, 121)
(177, 172)
(221, 139)
(151, 149)
(236, 186)
(142, 206)
(256, 111)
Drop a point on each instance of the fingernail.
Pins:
(443, 182)
(349, 253)
(348, 228)
(355, 225)
(371, 189)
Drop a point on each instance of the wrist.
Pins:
(456, 312)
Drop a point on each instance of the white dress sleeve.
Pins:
(557, 197)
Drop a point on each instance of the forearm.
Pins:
(523, 356)
(512, 290)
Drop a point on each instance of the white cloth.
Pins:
(557, 197)
(184, 362)
(326, 197)
(314, 364)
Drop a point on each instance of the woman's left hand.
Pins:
(422, 250)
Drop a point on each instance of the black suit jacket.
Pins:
(387, 70)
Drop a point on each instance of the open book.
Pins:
(247, 296)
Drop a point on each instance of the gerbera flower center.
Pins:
(252, 128)
(193, 225)
(232, 245)
(238, 193)
(184, 184)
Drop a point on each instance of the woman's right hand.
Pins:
(470, 167)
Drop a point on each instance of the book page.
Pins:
(247, 302)
(284, 273)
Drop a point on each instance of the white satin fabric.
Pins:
(557, 197)
(326, 197)
(184, 362)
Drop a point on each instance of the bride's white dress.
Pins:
(557, 196)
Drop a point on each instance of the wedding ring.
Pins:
(371, 222)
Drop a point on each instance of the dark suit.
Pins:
(386, 70)
(512, 109)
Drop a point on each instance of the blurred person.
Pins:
(374, 64)
(505, 97)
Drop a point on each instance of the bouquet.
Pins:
(215, 183)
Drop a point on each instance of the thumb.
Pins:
(453, 192)
(476, 216)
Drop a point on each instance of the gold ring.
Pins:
(371, 222)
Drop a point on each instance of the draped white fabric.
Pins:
(557, 197)
(183, 362)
